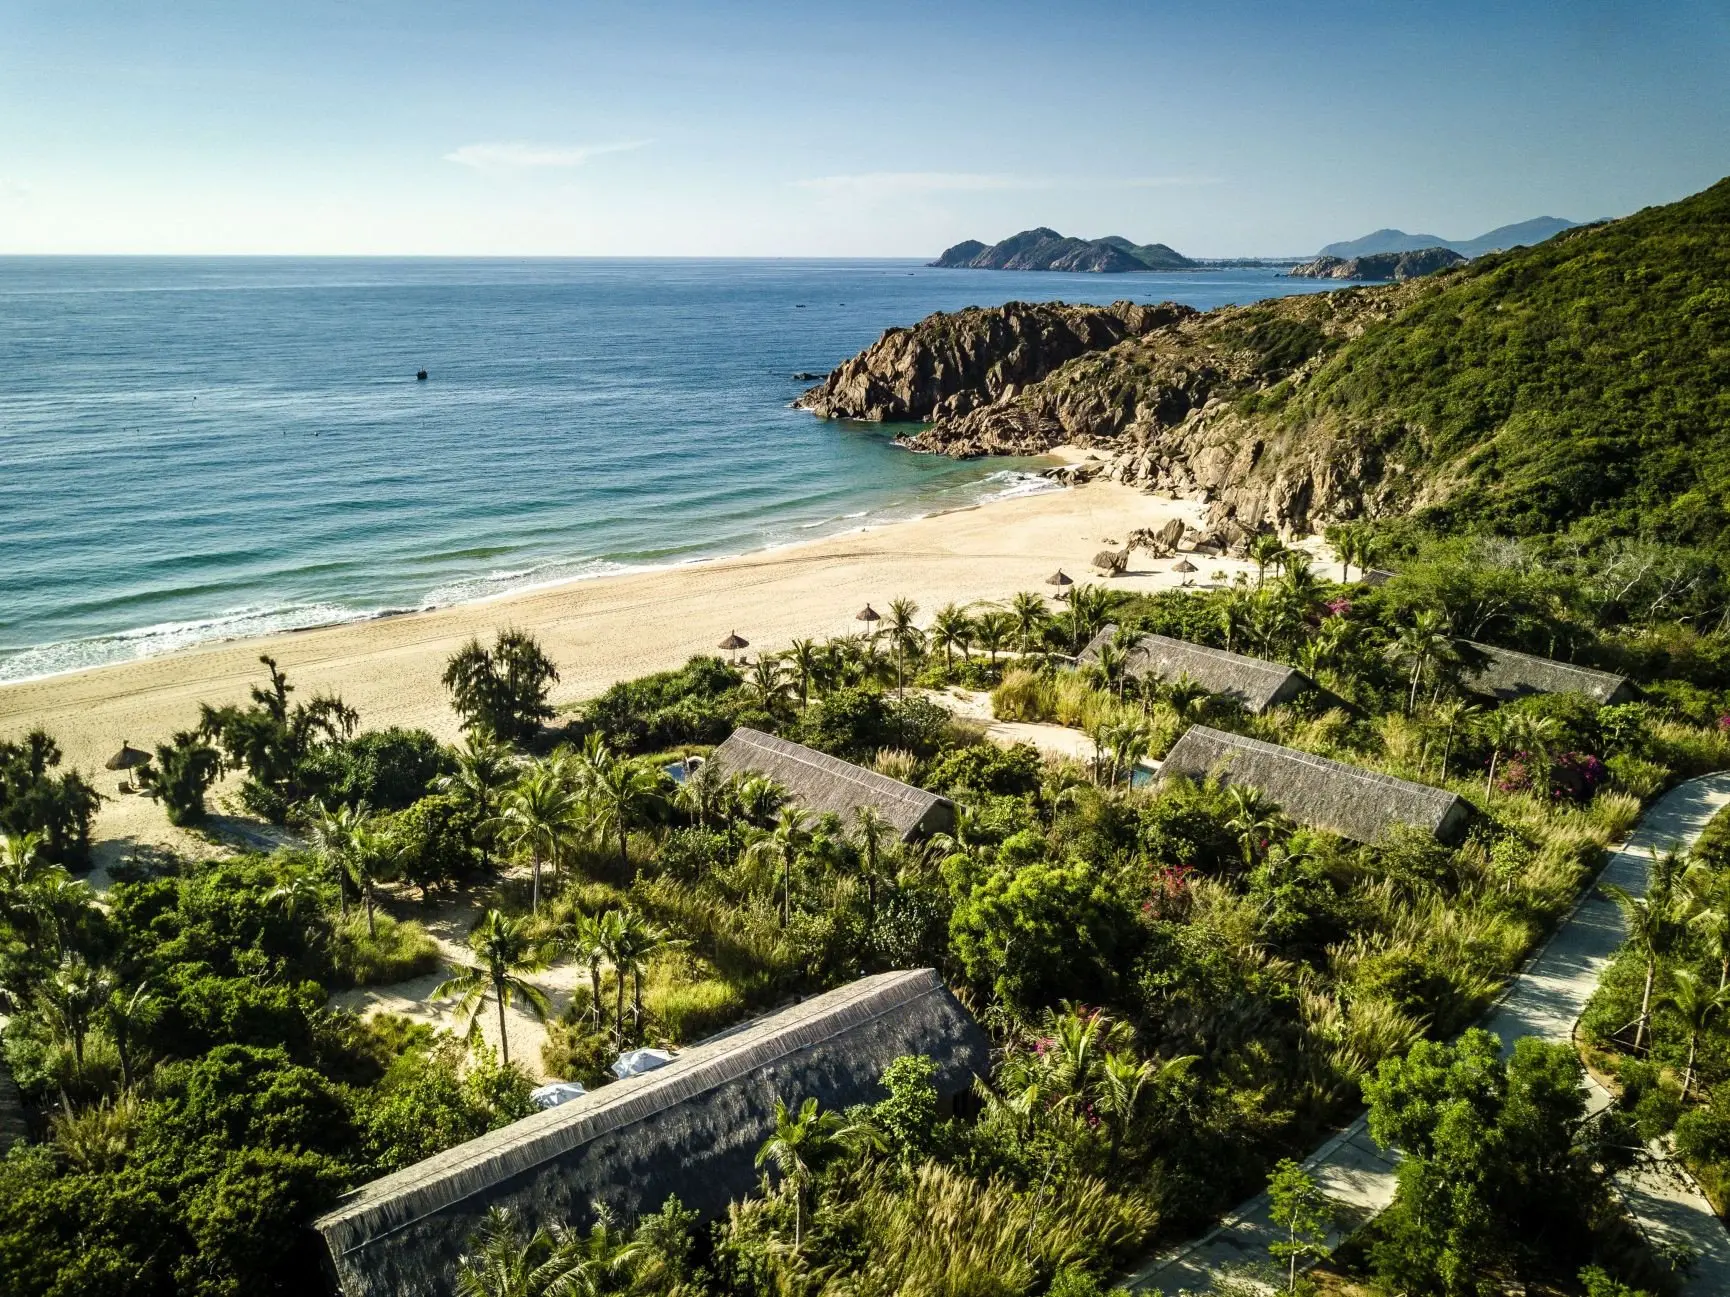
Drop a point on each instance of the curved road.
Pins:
(1545, 999)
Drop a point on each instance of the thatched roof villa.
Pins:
(1254, 682)
(1354, 803)
(691, 1128)
(824, 784)
(1507, 675)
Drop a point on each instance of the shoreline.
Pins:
(597, 630)
(611, 569)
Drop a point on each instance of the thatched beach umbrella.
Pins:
(1183, 565)
(869, 616)
(128, 759)
(733, 643)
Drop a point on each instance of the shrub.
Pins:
(985, 769)
(386, 769)
(399, 950)
(689, 1011)
(1023, 696)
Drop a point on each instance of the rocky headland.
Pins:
(1380, 265)
(1046, 249)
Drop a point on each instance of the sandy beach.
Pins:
(602, 630)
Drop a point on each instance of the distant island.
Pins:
(1521, 235)
(1046, 249)
(1381, 265)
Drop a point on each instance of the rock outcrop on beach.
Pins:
(1495, 395)
(1380, 266)
(1046, 249)
(951, 363)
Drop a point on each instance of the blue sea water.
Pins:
(194, 449)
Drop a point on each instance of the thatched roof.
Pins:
(1507, 674)
(691, 1128)
(823, 784)
(1354, 803)
(1255, 683)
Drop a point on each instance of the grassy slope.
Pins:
(1586, 378)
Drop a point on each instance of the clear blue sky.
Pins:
(740, 128)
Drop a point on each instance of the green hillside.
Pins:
(1583, 382)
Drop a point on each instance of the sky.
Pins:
(742, 128)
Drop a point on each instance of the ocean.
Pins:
(197, 449)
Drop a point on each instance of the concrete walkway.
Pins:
(1546, 999)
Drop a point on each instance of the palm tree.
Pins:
(1188, 699)
(1122, 1085)
(124, 1015)
(1707, 908)
(504, 951)
(332, 833)
(952, 629)
(1253, 821)
(369, 848)
(1648, 921)
(1113, 662)
(871, 829)
(1265, 551)
(632, 942)
(1351, 545)
(501, 1262)
(71, 999)
(1420, 647)
(800, 1140)
(484, 770)
(618, 791)
(760, 797)
(805, 659)
(1696, 1004)
(539, 816)
(995, 629)
(1031, 618)
(703, 793)
(1234, 616)
(1452, 715)
(904, 636)
(600, 1264)
(767, 681)
(782, 845)
(1501, 730)
(590, 938)
(1088, 605)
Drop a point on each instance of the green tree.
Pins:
(538, 815)
(1265, 551)
(766, 683)
(952, 631)
(185, 769)
(631, 942)
(484, 770)
(1697, 1003)
(71, 999)
(803, 1137)
(781, 846)
(905, 637)
(805, 661)
(1297, 1206)
(618, 793)
(502, 692)
(504, 952)
(1031, 617)
(1425, 648)
(994, 629)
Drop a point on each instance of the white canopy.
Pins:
(634, 1062)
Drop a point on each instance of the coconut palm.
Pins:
(905, 636)
(1113, 663)
(767, 681)
(631, 943)
(1031, 618)
(952, 631)
(1265, 551)
(1706, 908)
(124, 1015)
(805, 661)
(501, 1261)
(995, 630)
(1088, 607)
(370, 850)
(1186, 698)
(589, 938)
(802, 1137)
(1423, 647)
(71, 999)
(504, 951)
(332, 834)
(1351, 545)
(617, 793)
(539, 815)
(1235, 611)
(703, 793)
(781, 846)
(1253, 821)
(1124, 1084)
(485, 769)
(1451, 716)
(1696, 1003)
(871, 830)
(1648, 921)
(760, 797)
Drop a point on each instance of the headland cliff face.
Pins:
(1164, 393)
(1380, 265)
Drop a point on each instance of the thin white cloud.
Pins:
(518, 156)
(887, 184)
(1167, 182)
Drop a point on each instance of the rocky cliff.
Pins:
(1380, 266)
(1046, 249)
(948, 364)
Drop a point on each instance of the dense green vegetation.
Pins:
(1183, 984)
(1579, 388)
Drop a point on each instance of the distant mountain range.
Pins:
(1046, 249)
(1523, 234)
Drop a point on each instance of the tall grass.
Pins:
(399, 950)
